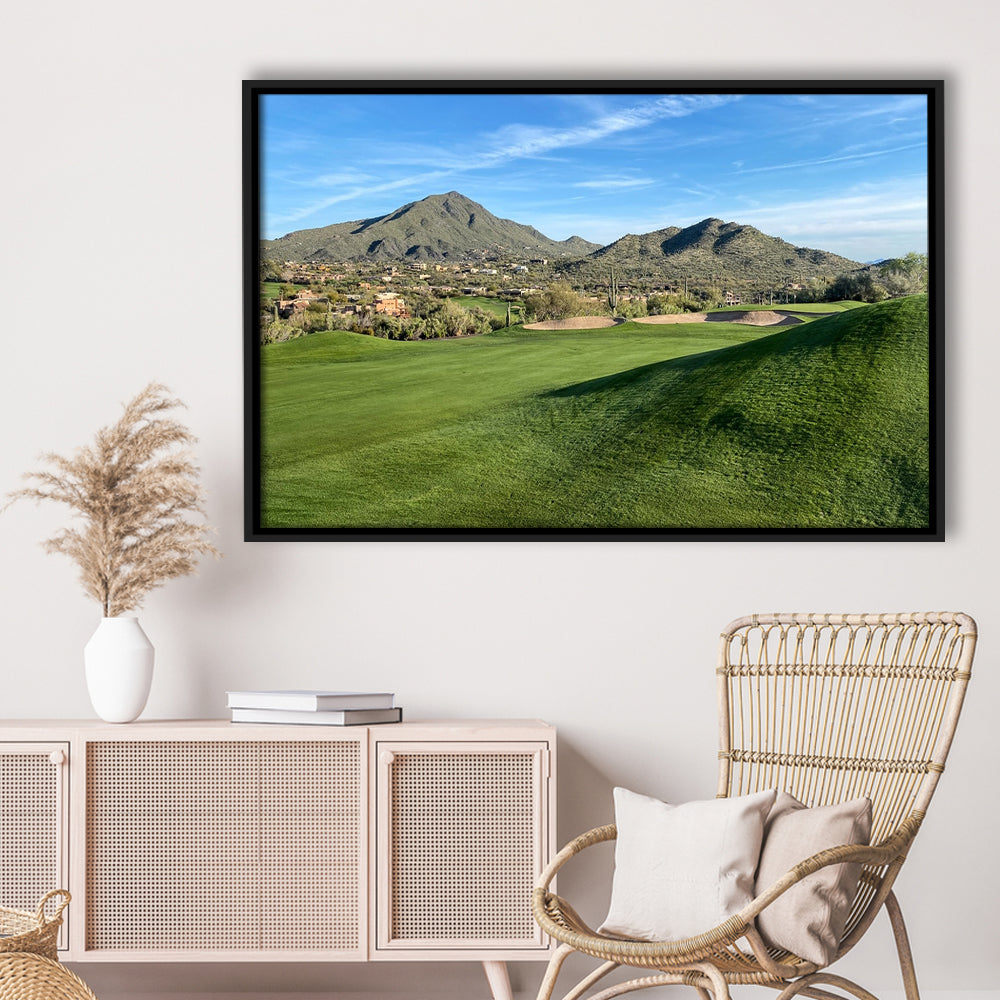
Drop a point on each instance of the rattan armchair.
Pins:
(826, 708)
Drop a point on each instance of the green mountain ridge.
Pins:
(452, 227)
(439, 227)
(713, 248)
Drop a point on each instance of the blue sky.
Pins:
(839, 172)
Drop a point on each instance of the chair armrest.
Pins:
(884, 853)
(596, 836)
(558, 919)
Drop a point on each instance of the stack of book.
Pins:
(314, 708)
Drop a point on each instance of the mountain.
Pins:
(453, 227)
(440, 227)
(710, 248)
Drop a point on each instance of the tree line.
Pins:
(430, 317)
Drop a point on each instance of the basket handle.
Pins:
(40, 915)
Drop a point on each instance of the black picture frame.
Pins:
(255, 528)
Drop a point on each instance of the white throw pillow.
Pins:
(808, 919)
(681, 870)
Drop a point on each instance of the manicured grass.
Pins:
(498, 307)
(688, 425)
(272, 289)
(801, 307)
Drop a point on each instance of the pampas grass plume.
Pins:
(132, 492)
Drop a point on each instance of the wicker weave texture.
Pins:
(462, 832)
(26, 976)
(827, 707)
(29, 828)
(831, 707)
(21, 931)
(279, 813)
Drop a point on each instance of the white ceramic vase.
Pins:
(118, 661)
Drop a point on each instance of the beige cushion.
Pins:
(808, 919)
(681, 870)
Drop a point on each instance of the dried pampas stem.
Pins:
(133, 491)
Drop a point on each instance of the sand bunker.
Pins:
(750, 317)
(576, 323)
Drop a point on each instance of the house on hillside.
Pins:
(732, 299)
(391, 304)
(299, 304)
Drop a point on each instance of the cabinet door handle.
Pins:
(386, 757)
(57, 757)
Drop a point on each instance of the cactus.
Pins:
(508, 313)
(613, 292)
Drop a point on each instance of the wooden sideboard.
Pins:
(206, 840)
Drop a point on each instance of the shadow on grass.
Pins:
(687, 364)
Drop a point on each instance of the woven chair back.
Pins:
(831, 707)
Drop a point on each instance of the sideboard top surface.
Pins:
(224, 729)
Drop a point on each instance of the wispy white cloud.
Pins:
(826, 118)
(917, 138)
(416, 182)
(517, 141)
(864, 222)
(339, 179)
(799, 164)
(613, 183)
(508, 144)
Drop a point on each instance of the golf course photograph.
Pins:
(604, 311)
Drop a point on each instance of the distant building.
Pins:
(732, 299)
(391, 304)
(299, 304)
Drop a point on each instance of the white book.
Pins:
(347, 717)
(310, 701)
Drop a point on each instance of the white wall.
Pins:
(121, 245)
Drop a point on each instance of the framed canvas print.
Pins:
(594, 310)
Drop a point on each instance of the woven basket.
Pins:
(21, 931)
(25, 976)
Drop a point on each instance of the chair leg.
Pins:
(805, 985)
(902, 947)
(705, 983)
(588, 981)
(555, 965)
(552, 971)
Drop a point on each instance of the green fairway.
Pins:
(687, 425)
(271, 290)
(494, 306)
(823, 308)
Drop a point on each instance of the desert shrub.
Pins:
(387, 327)
(861, 286)
(452, 318)
(670, 303)
(631, 308)
(480, 321)
(558, 301)
(416, 328)
(279, 330)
